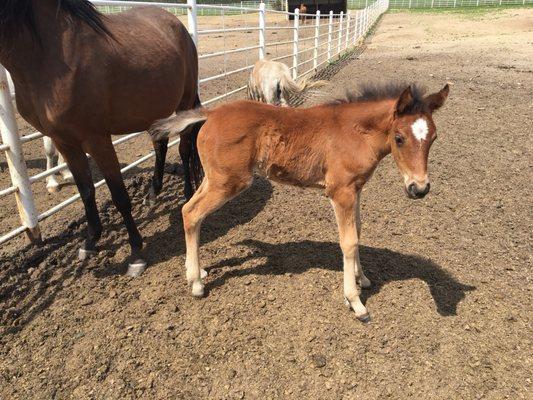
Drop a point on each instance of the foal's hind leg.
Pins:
(101, 149)
(365, 282)
(344, 201)
(160, 150)
(209, 197)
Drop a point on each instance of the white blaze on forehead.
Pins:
(420, 129)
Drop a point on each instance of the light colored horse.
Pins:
(271, 82)
(334, 146)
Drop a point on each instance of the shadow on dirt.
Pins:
(32, 278)
(380, 265)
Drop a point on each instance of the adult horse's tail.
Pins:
(289, 87)
(195, 165)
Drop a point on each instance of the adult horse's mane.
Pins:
(382, 91)
(16, 14)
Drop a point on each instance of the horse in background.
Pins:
(81, 77)
(303, 10)
(334, 146)
(52, 185)
(271, 82)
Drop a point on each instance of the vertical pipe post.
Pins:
(340, 33)
(348, 22)
(355, 27)
(317, 31)
(16, 163)
(330, 31)
(192, 21)
(262, 24)
(295, 43)
(192, 26)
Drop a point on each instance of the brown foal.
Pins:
(332, 146)
(81, 77)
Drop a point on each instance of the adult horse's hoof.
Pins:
(198, 289)
(84, 254)
(136, 268)
(365, 319)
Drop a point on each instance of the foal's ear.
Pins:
(436, 100)
(404, 101)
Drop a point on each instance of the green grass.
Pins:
(466, 11)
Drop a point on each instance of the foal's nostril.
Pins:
(426, 189)
(411, 189)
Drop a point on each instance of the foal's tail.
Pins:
(177, 124)
(290, 87)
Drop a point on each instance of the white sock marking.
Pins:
(420, 129)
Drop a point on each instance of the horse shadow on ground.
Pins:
(33, 277)
(380, 265)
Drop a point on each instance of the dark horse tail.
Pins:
(196, 174)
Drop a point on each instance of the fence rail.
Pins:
(310, 44)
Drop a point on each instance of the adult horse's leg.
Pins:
(160, 149)
(344, 201)
(79, 166)
(365, 282)
(103, 153)
(209, 197)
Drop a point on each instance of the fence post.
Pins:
(16, 163)
(433, 1)
(340, 33)
(348, 22)
(192, 21)
(355, 27)
(330, 31)
(295, 43)
(262, 25)
(317, 31)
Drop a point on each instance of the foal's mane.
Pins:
(16, 14)
(373, 91)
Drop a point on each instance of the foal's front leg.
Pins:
(344, 203)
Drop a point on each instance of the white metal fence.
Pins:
(225, 61)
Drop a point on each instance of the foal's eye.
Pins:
(398, 139)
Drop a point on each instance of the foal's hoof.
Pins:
(84, 254)
(136, 268)
(365, 282)
(203, 273)
(365, 319)
(68, 178)
(198, 289)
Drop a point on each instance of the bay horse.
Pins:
(271, 82)
(334, 146)
(81, 77)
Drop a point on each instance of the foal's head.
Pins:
(411, 135)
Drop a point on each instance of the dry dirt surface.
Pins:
(451, 296)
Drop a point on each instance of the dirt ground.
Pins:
(451, 296)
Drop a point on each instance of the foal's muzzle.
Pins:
(414, 191)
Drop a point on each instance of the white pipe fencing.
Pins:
(337, 36)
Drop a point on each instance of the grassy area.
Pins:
(466, 11)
